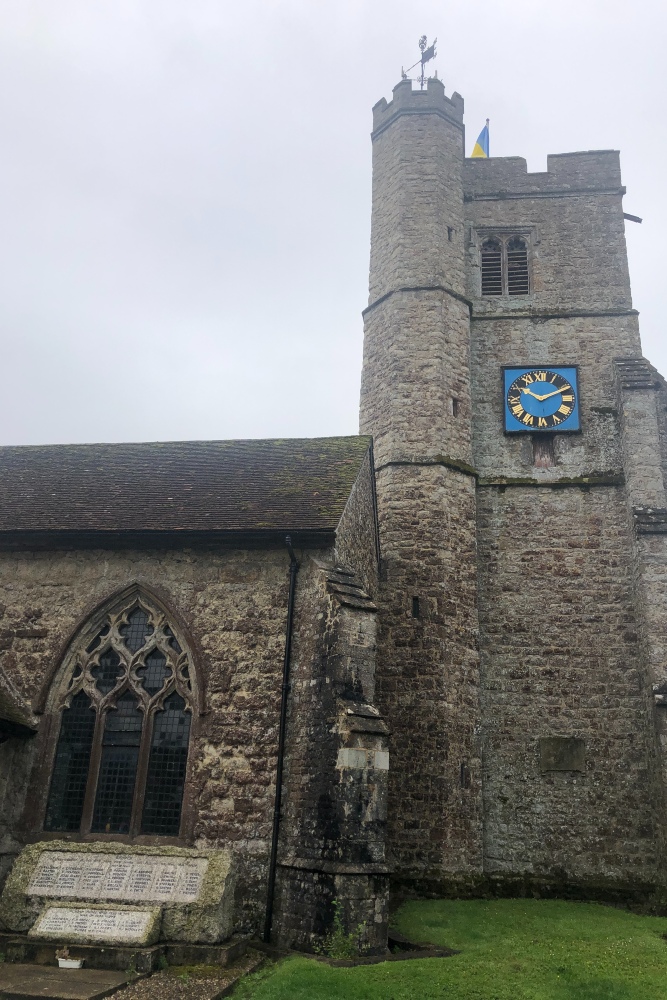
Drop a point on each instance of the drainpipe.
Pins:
(293, 569)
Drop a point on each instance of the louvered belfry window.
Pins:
(492, 267)
(517, 266)
(505, 267)
(126, 710)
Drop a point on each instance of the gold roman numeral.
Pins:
(541, 376)
(564, 409)
(568, 399)
(541, 422)
(528, 419)
(528, 379)
(556, 420)
(517, 410)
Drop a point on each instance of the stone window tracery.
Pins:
(505, 266)
(125, 705)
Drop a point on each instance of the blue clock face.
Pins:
(541, 399)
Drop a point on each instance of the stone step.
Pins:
(42, 982)
(20, 948)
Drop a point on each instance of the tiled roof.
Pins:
(299, 484)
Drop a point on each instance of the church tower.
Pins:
(520, 450)
(416, 402)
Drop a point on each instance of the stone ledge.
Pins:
(551, 193)
(418, 288)
(650, 520)
(444, 460)
(539, 316)
(334, 867)
(595, 479)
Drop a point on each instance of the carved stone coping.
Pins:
(343, 585)
(334, 867)
(637, 373)
(650, 520)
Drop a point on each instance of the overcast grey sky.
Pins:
(185, 191)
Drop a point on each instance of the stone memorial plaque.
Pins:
(132, 878)
(70, 923)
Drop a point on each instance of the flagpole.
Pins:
(488, 137)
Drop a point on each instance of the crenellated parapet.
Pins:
(503, 176)
(405, 100)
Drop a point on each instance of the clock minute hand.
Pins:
(563, 388)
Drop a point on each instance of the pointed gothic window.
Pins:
(125, 713)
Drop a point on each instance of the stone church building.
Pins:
(432, 656)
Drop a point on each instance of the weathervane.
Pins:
(428, 52)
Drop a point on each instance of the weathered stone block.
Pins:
(562, 753)
(98, 923)
(192, 889)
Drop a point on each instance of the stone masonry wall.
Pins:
(428, 672)
(16, 761)
(576, 232)
(415, 400)
(561, 621)
(334, 816)
(561, 658)
(589, 342)
(233, 604)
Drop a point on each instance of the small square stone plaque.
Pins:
(562, 753)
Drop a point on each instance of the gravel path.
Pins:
(204, 982)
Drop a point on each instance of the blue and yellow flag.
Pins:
(482, 144)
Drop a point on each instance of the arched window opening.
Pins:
(166, 767)
(70, 770)
(505, 266)
(121, 756)
(492, 268)
(517, 267)
(118, 766)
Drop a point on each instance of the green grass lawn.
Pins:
(511, 949)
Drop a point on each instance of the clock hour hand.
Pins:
(533, 394)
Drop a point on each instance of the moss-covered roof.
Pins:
(299, 484)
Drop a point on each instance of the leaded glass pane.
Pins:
(118, 767)
(70, 770)
(107, 672)
(137, 630)
(166, 769)
(154, 672)
(98, 639)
